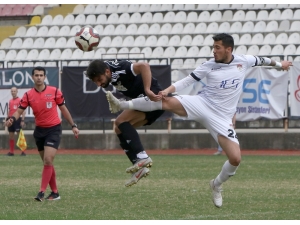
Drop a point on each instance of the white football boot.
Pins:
(114, 103)
(216, 194)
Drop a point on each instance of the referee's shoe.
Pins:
(40, 196)
(53, 196)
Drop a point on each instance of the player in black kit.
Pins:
(133, 80)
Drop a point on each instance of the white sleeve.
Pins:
(252, 60)
(183, 83)
(199, 73)
(257, 60)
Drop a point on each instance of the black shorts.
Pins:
(47, 136)
(151, 117)
(16, 126)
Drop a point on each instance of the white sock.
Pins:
(227, 171)
(142, 104)
(125, 104)
(142, 155)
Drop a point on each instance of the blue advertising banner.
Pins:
(22, 80)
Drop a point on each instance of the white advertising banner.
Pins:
(264, 94)
(295, 89)
(22, 80)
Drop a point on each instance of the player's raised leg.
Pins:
(170, 104)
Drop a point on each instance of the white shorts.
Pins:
(199, 110)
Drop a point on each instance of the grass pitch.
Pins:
(92, 188)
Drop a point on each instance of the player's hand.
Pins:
(163, 94)
(152, 96)
(9, 122)
(23, 124)
(75, 132)
(286, 65)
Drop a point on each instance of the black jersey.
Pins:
(126, 81)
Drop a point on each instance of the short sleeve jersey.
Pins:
(224, 81)
(125, 80)
(13, 105)
(44, 105)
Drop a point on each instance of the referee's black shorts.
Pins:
(47, 136)
(16, 126)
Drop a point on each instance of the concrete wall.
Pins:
(98, 134)
(190, 139)
(106, 124)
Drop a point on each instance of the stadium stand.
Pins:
(253, 50)
(6, 43)
(148, 26)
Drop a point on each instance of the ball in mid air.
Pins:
(87, 39)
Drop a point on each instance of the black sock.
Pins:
(131, 155)
(131, 137)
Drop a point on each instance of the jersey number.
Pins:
(232, 134)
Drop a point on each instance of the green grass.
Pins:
(92, 188)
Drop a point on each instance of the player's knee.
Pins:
(235, 161)
(166, 105)
(117, 130)
(119, 121)
(48, 161)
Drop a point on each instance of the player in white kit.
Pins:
(214, 106)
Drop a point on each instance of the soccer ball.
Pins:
(87, 39)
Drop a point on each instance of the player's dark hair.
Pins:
(96, 68)
(227, 40)
(39, 68)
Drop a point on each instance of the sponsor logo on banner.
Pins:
(21, 78)
(297, 92)
(295, 89)
(264, 95)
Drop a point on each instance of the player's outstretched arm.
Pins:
(285, 65)
(265, 61)
(144, 70)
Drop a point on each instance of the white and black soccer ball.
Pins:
(87, 39)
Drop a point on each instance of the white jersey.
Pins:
(224, 82)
